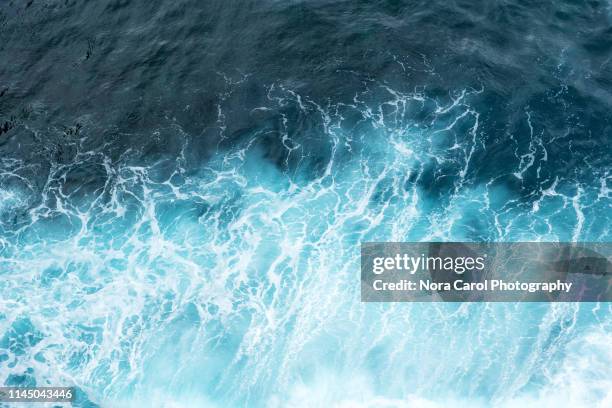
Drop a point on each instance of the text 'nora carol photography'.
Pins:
(487, 272)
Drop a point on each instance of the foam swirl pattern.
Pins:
(182, 198)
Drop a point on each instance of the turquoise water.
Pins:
(237, 284)
(195, 242)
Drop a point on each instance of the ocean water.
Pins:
(184, 186)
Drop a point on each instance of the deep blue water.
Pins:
(184, 186)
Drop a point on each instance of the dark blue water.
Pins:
(184, 186)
